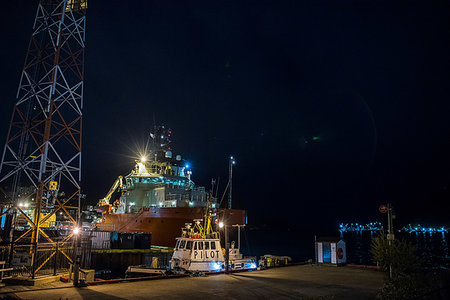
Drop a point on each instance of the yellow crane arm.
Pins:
(118, 183)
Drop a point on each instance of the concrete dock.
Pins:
(293, 282)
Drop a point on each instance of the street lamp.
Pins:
(227, 247)
(76, 263)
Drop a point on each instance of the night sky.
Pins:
(331, 108)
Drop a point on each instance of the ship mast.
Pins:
(230, 180)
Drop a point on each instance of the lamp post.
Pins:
(227, 247)
(390, 236)
(227, 251)
(76, 262)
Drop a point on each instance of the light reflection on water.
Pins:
(431, 248)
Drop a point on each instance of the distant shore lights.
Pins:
(372, 226)
(418, 228)
(377, 226)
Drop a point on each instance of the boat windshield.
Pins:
(189, 245)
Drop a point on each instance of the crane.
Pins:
(118, 184)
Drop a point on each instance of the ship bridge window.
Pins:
(200, 245)
(213, 245)
(206, 245)
(195, 245)
(177, 244)
(182, 244)
(189, 245)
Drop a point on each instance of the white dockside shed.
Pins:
(331, 250)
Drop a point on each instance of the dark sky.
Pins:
(258, 80)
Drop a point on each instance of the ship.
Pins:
(159, 196)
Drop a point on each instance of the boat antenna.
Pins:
(224, 193)
(217, 187)
(213, 182)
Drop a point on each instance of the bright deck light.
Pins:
(221, 224)
(143, 159)
(76, 230)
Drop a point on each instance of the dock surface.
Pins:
(293, 282)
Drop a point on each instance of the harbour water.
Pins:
(431, 248)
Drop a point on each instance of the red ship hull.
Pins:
(165, 223)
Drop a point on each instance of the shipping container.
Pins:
(126, 240)
(142, 240)
(101, 239)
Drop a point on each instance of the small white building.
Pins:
(331, 250)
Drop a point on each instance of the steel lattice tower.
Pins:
(43, 145)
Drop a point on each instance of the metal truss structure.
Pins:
(43, 146)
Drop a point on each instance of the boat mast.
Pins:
(230, 179)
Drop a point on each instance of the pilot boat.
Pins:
(199, 250)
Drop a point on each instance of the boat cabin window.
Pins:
(200, 245)
(183, 243)
(206, 245)
(189, 245)
(177, 244)
(195, 245)
(213, 245)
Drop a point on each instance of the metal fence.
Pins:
(49, 258)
